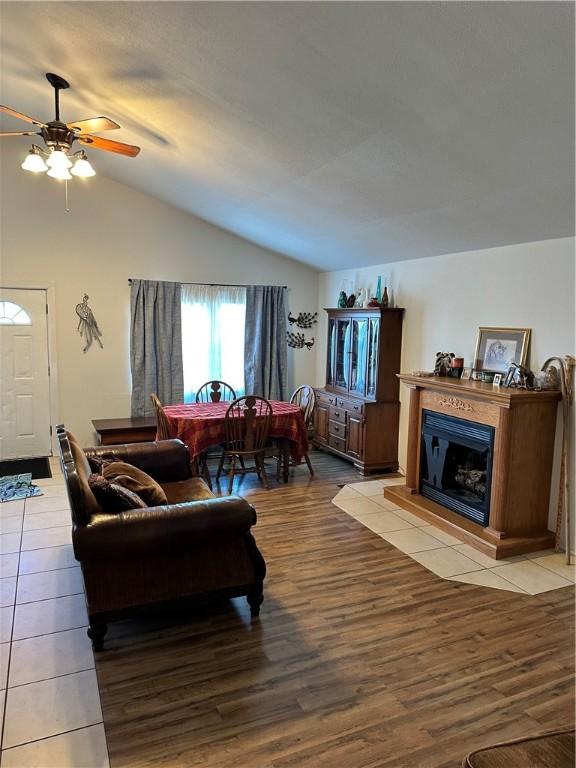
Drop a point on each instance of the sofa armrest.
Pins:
(166, 461)
(169, 528)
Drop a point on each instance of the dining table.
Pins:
(203, 425)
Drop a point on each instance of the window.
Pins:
(12, 314)
(212, 337)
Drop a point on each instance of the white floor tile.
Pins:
(384, 503)
(4, 658)
(531, 577)
(6, 618)
(557, 564)
(38, 504)
(438, 533)
(8, 565)
(368, 487)
(47, 537)
(9, 542)
(7, 591)
(59, 653)
(393, 480)
(47, 616)
(356, 505)
(414, 519)
(412, 540)
(484, 578)
(50, 707)
(9, 508)
(48, 584)
(64, 751)
(12, 524)
(445, 562)
(485, 560)
(382, 521)
(347, 493)
(47, 520)
(48, 559)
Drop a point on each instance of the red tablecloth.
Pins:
(201, 425)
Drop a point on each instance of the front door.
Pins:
(24, 374)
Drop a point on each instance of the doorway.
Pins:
(24, 374)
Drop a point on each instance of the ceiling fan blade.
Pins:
(110, 146)
(20, 116)
(20, 133)
(92, 125)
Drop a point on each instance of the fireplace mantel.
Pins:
(524, 423)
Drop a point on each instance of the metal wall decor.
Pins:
(87, 325)
(298, 340)
(304, 320)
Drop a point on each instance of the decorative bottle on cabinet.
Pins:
(357, 411)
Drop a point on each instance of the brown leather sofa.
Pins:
(196, 546)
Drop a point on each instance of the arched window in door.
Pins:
(13, 314)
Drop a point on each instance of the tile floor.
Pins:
(445, 555)
(49, 701)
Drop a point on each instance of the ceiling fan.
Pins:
(59, 137)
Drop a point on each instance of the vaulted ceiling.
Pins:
(340, 134)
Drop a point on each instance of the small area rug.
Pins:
(13, 487)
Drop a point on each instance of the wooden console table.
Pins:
(524, 423)
(115, 431)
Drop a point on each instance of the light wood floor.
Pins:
(361, 657)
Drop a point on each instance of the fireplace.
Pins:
(456, 464)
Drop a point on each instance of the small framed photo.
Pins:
(498, 348)
(497, 380)
(466, 374)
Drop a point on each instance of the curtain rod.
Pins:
(217, 285)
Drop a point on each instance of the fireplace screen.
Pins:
(456, 464)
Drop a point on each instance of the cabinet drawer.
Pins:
(326, 398)
(353, 406)
(339, 443)
(338, 414)
(336, 428)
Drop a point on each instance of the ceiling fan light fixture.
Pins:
(58, 159)
(82, 167)
(60, 173)
(34, 162)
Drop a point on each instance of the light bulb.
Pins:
(59, 173)
(58, 159)
(82, 168)
(34, 162)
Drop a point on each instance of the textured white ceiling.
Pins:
(340, 134)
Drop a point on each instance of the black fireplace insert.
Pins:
(456, 464)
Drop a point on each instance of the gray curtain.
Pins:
(155, 344)
(265, 354)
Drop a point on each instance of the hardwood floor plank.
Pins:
(361, 658)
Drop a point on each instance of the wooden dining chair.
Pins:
(305, 397)
(247, 425)
(164, 429)
(215, 392)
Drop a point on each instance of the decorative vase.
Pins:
(379, 290)
(385, 298)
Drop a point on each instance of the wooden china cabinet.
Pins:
(357, 411)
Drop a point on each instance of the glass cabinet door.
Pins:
(342, 354)
(372, 375)
(359, 350)
(331, 359)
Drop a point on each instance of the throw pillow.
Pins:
(112, 497)
(97, 463)
(122, 473)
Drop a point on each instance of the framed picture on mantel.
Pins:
(498, 348)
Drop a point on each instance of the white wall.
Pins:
(112, 233)
(448, 297)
